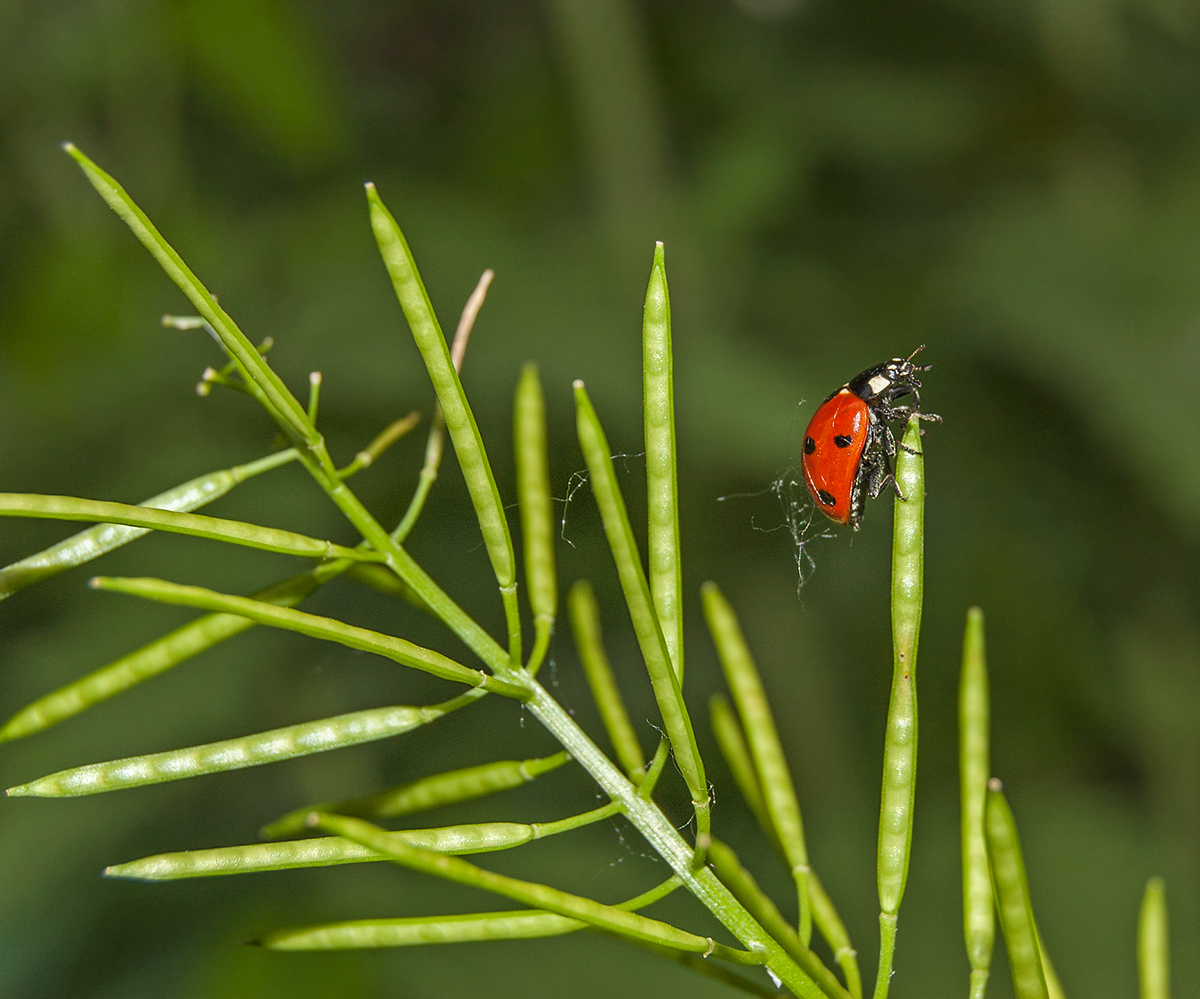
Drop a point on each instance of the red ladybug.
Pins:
(848, 446)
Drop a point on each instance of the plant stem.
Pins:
(662, 836)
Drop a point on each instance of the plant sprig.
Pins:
(757, 934)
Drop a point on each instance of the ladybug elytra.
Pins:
(848, 446)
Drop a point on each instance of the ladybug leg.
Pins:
(879, 476)
(876, 468)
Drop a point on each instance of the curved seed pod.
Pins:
(234, 754)
(426, 793)
(236, 532)
(979, 926)
(95, 541)
(322, 851)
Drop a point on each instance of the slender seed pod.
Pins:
(1054, 987)
(281, 403)
(537, 509)
(95, 541)
(270, 539)
(435, 441)
(979, 928)
(732, 744)
(1153, 955)
(322, 851)
(460, 421)
(520, 924)
(676, 721)
(605, 917)
(427, 793)
(758, 724)
(900, 739)
(585, 624)
(477, 837)
(234, 754)
(148, 661)
(397, 649)
(1012, 897)
(664, 566)
(412, 931)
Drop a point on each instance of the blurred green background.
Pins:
(1017, 186)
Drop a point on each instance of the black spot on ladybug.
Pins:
(842, 440)
(810, 445)
(827, 498)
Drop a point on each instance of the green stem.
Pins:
(741, 882)
(665, 840)
(385, 439)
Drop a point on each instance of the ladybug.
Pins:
(848, 446)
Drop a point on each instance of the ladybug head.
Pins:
(888, 381)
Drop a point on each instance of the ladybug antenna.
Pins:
(915, 353)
